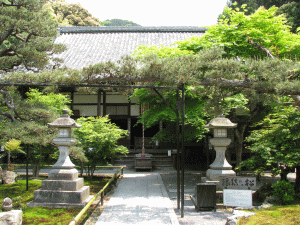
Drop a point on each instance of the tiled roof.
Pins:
(90, 45)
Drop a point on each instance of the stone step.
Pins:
(150, 151)
(165, 158)
(157, 161)
(162, 160)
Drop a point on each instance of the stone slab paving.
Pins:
(140, 198)
(191, 216)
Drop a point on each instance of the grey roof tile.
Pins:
(90, 45)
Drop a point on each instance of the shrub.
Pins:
(284, 191)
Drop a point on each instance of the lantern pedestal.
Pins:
(220, 167)
(63, 188)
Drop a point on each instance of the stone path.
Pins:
(140, 198)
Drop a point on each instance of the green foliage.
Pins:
(27, 31)
(284, 191)
(98, 137)
(291, 11)
(119, 22)
(206, 68)
(276, 140)
(161, 51)
(13, 145)
(72, 14)
(289, 8)
(253, 5)
(31, 116)
(56, 102)
(247, 36)
(158, 111)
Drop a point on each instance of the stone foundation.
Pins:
(218, 175)
(63, 188)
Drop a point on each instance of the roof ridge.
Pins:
(126, 29)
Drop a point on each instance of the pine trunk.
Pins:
(36, 171)
(240, 134)
(297, 184)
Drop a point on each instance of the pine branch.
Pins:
(296, 98)
(260, 48)
(12, 4)
(7, 52)
(9, 104)
(6, 35)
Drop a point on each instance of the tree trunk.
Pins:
(283, 174)
(240, 134)
(81, 171)
(8, 158)
(36, 170)
(297, 184)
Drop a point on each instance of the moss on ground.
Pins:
(41, 215)
(279, 215)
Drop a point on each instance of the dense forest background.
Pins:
(68, 14)
(291, 9)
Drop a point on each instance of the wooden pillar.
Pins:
(160, 129)
(104, 103)
(129, 128)
(72, 100)
(99, 103)
(182, 148)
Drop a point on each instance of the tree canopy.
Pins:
(26, 35)
(29, 121)
(68, 14)
(260, 37)
(119, 22)
(290, 9)
(275, 142)
(98, 138)
(253, 5)
(260, 34)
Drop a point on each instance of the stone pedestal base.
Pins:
(63, 188)
(60, 205)
(218, 175)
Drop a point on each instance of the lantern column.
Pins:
(220, 167)
(63, 188)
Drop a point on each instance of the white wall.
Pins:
(87, 110)
(85, 98)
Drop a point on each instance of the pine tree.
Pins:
(27, 31)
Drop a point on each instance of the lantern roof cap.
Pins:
(220, 122)
(64, 121)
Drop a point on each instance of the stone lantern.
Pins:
(220, 166)
(63, 188)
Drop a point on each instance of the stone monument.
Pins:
(220, 167)
(63, 188)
